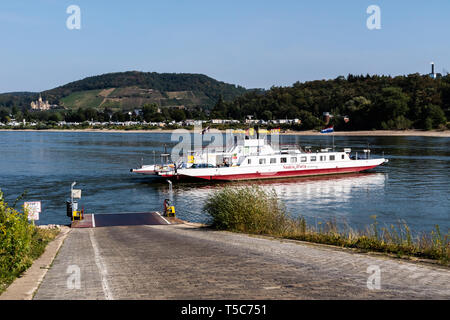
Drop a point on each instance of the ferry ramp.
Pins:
(120, 219)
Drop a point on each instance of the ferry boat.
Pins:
(256, 159)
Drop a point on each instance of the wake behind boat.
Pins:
(252, 159)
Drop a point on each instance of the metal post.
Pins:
(170, 190)
(333, 141)
(71, 196)
(71, 191)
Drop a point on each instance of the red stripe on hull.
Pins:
(283, 174)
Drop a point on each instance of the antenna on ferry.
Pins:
(257, 137)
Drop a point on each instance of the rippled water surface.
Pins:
(414, 186)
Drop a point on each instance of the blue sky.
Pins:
(256, 44)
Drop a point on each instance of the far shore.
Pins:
(373, 133)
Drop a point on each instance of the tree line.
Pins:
(148, 113)
(370, 102)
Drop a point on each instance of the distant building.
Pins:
(286, 121)
(41, 105)
(249, 120)
(432, 74)
(181, 107)
(223, 121)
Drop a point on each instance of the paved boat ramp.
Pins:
(146, 256)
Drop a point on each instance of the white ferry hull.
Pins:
(274, 172)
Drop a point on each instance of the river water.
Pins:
(413, 187)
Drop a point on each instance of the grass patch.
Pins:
(20, 243)
(85, 99)
(256, 211)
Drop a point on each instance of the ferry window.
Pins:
(343, 157)
(313, 158)
(283, 160)
(262, 161)
(303, 159)
(273, 160)
(332, 158)
(293, 160)
(249, 161)
(323, 158)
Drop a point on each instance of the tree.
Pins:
(157, 117)
(4, 115)
(148, 111)
(18, 116)
(267, 115)
(309, 121)
(55, 116)
(220, 110)
(91, 114)
(358, 110)
(177, 114)
(80, 115)
(433, 117)
(107, 114)
(166, 114)
(394, 101)
(14, 110)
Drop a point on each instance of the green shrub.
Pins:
(246, 209)
(15, 239)
(20, 243)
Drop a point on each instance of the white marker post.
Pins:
(33, 209)
(71, 191)
(74, 194)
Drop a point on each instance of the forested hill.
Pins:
(175, 86)
(130, 90)
(370, 102)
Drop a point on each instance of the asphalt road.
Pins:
(182, 262)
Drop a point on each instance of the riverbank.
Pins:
(368, 133)
(252, 210)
